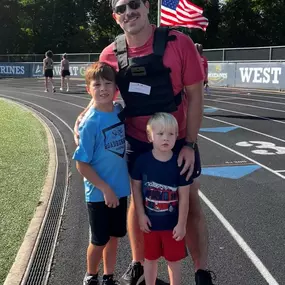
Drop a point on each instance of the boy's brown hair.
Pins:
(100, 70)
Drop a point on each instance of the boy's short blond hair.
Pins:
(165, 120)
(100, 70)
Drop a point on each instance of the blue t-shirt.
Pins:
(102, 145)
(160, 182)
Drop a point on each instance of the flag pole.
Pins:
(158, 12)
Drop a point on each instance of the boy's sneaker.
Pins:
(90, 280)
(46, 90)
(53, 89)
(60, 89)
(204, 277)
(134, 274)
(109, 281)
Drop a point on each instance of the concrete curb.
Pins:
(29, 245)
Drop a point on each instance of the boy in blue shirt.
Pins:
(100, 159)
(161, 197)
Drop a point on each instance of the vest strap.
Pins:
(121, 52)
(160, 40)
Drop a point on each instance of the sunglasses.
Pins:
(134, 5)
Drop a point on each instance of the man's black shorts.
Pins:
(49, 73)
(135, 148)
(65, 73)
(107, 222)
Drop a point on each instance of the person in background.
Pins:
(205, 66)
(48, 70)
(65, 73)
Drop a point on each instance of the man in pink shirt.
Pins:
(159, 72)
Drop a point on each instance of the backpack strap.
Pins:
(120, 50)
(161, 38)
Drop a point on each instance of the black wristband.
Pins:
(191, 144)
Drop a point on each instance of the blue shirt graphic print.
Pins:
(102, 145)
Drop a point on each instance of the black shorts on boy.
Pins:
(135, 148)
(107, 222)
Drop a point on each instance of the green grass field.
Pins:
(23, 167)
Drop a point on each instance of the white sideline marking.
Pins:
(250, 130)
(239, 104)
(244, 246)
(247, 114)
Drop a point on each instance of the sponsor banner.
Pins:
(37, 70)
(269, 75)
(9, 69)
(76, 70)
(282, 83)
(221, 74)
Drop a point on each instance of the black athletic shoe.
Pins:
(90, 280)
(109, 281)
(134, 275)
(204, 277)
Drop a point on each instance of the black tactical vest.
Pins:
(144, 82)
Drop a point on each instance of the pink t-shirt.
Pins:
(184, 61)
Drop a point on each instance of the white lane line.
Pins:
(48, 98)
(241, 242)
(280, 171)
(54, 94)
(263, 108)
(249, 95)
(17, 99)
(247, 114)
(256, 91)
(244, 156)
(246, 99)
(253, 131)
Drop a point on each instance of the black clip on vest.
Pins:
(144, 82)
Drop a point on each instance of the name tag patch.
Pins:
(139, 88)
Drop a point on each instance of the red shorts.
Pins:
(162, 243)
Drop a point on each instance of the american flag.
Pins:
(182, 13)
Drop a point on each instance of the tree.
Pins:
(240, 24)
(10, 26)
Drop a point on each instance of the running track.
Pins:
(242, 142)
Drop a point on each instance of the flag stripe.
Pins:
(182, 13)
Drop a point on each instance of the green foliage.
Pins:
(30, 26)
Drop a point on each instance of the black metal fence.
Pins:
(73, 57)
(246, 54)
(225, 54)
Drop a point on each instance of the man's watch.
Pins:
(191, 144)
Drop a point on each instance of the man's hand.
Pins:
(144, 223)
(179, 232)
(110, 198)
(75, 129)
(188, 156)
